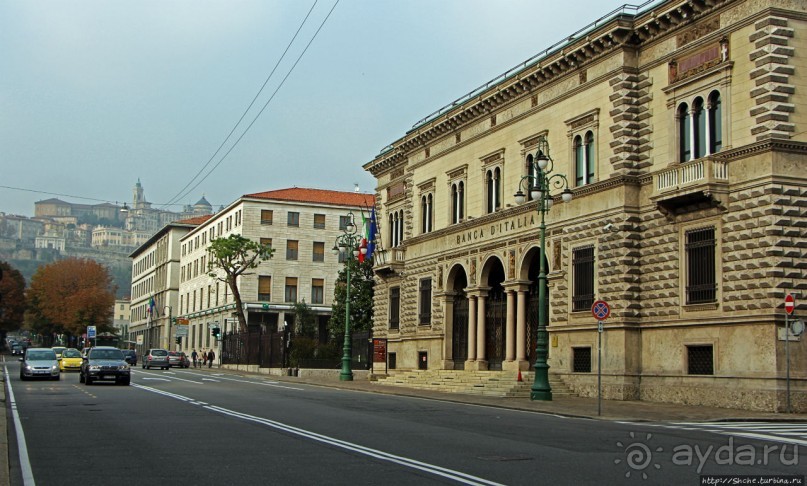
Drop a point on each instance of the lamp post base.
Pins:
(345, 376)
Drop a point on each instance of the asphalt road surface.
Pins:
(203, 428)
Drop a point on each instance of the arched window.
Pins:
(400, 218)
(457, 202)
(492, 182)
(426, 213)
(684, 136)
(532, 171)
(699, 122)
(584, 158)
(715, 120)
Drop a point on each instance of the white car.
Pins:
(39, 363)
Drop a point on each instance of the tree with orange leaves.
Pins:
(12, 299)
(68, 295)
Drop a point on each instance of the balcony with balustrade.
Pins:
(692, 185)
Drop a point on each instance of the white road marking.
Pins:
(451, 474)
(25, 463)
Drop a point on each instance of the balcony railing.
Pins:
(701, 171)
(389, 260)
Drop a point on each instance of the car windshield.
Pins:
(71, 353)
(159, 352)
(106, 354)
(45, 354)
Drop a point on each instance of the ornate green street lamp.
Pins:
(539, 183)
(347, 244)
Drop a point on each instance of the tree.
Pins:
(68, 295)
(234, 255)
(361, 297)
(12, 299)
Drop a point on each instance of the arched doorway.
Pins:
(532, 305)
(459, 332)
(495, 316)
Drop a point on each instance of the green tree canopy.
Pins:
(68, 295)
(230, 258)
(361, 298)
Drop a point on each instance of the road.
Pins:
(192, 427)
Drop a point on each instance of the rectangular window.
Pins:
(425, 308)
(701, 284)
(700, 360)
(294, 218)
(319, 251)
(583, 275)
(581, 360)
(343, 221)
(267, 215)
(266, 242)
(291, 289)
(395, 308)
(264, 288)
(319, 221)
(291, 249)
(317, 291)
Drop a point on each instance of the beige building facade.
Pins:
(156, 278)
(681, 131)
(301, 225)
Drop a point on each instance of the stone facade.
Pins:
(681, 133)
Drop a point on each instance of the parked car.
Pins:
(178, 359)
(105, 363)
(39, 363)
(130, 355)
(157, 358)
(70, 360)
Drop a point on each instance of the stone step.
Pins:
(492, 383)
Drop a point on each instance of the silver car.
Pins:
(39, 363)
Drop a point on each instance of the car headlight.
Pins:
(54, 368)
(28, 368)
(94, 368)
(123, 367)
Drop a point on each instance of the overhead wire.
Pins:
(267, 102)
(187, 189)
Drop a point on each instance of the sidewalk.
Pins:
(562, 405)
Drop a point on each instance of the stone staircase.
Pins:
(488, 383)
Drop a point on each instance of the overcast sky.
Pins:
(95, 94)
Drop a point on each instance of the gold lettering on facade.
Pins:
(496, 229)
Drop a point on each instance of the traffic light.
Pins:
(179, 340)
(216, 332)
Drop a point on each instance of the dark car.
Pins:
(178, 359)
(130, 355)
(105, 363)
(39, 363)
(16, 348)
(157, 358)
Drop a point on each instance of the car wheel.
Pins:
(81, 378)
(126, 382)
(56, 378)
(87, 381)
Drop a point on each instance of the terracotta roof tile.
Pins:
(197, 220)
(317, 196)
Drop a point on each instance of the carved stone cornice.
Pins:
(622, 30)
(770, 145)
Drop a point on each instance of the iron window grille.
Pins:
(700, 360)
(701, 276)
(583, 274)
(581, 360)
(425, 311)
(394, 308)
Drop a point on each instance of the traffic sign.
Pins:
(790, 303)
(91, 332)
(601, 310)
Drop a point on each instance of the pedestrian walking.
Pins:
(194, 357)
(210, 357)
(204, 359)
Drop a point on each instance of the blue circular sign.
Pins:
(601, 310)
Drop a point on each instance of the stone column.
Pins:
(471, 332)
(447, 300)
(481, 359)
(521, 329)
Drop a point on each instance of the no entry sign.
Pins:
(790, 303)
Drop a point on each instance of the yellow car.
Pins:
(71, 360)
